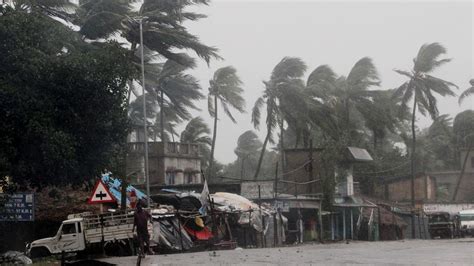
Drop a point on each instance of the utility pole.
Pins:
(310, 165)
(145, 126)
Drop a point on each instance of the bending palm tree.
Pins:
(176, 90)
(226, 88)
(467, 92)
(197, 131)
(420, 88)
(283, 96)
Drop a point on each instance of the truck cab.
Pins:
(69, 238)
(467, 222)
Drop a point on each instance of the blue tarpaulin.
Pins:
(114, 185)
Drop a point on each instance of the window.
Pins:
(68, 229)
(189, 177)
(170, 178)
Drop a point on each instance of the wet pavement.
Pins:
(406, 252)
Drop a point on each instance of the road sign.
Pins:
(284, 206)
(19, 207)
(100, 194)
(249, 190)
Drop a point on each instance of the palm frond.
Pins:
(289, 67)
(363, 75)
(428, 57)
(210, 106)
(467, 92)
(256, 112)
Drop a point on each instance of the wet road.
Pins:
(407, 252)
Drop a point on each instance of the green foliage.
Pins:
(163, 28)
(464, 128)
(226, 88)
(197, 131)
(468, 92)
(62, 101)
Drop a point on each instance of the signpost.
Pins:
(100, 194)
(19, 207)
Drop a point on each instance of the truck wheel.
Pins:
(39, 252)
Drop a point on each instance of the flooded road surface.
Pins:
(406, 252)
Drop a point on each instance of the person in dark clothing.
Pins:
(140, 221)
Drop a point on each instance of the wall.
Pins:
(294, 161)
(400, 190)
(447, 181)
(178, 159)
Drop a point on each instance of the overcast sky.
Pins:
(253, 36)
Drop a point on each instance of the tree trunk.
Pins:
(462, 172)
(214, 136)
(162, 115)
(282, 144)
(262, 152)
(413, 158)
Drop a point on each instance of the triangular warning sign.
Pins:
(100, 194)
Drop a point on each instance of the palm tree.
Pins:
(420, 88)
(176, 90)
(51, 8)
(346, 101)
(226, 88)
(283, 97)
(197, 131)
(163, 30)
(248, 145)
(467, 92)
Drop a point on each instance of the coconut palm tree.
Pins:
(226, 88)
(248, 146)
(175, 90)
(51, 8)
(347, 101)
(467, 92)
(421, 87)
(283, 97)
(197, 131)
(163, 28)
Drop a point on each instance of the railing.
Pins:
(167, 148)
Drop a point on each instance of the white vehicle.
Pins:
(87, 232)
(467, 222)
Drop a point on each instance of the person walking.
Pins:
(140, 221)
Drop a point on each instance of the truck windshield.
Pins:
(469, 217)
(69, 229)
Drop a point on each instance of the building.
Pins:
(169, 163)
(398, 189)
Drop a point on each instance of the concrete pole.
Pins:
(343, 223)
(352, 225)
(145, 127)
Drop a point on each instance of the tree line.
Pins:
(79, 85)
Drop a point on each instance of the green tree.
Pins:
(176, 92)
(421, 87)
(226, 88)
(467, 92)
(197, 131)
(163, 32)
(248, 147)
(463, 129)
(283, 97)
(61, 101)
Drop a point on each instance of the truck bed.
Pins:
(112, 226)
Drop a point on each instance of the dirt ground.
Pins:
(407, 252)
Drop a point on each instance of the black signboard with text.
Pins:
(18, 207)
